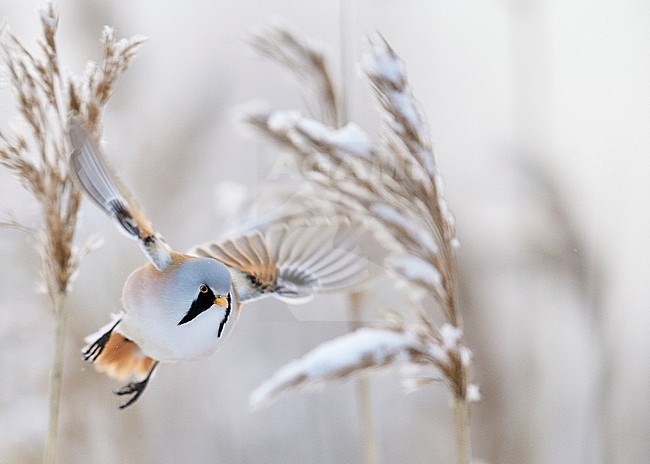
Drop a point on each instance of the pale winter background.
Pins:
(540, 114)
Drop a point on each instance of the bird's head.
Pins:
(202, 284)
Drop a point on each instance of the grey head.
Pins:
(197, 285)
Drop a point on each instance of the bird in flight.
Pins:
(180, 306)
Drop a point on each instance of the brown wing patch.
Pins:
(294, 260)
(123, 358)
(250, 254)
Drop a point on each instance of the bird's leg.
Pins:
(135, 388)
(92, 352)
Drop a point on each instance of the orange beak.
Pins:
(221, 301)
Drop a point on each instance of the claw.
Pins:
(129, 389)
(134, 388)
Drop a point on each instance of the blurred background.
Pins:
(540, 115)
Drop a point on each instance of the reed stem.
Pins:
(56, 377)
(461, 421)
(362, 387)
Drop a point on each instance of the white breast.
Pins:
(151, 320)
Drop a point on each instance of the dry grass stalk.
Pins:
(310, 68)
(396, 185)
(37, 157)
(308, 63)
(362, 385)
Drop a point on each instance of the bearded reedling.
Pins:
(181, 306)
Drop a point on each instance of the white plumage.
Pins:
(155, 302)
(182, 306)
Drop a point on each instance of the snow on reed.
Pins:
(394, 184)
(364, 349)
(387, 73)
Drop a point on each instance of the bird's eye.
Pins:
(203, 288)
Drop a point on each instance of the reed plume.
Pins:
(310, 68)
(394, 185)
(37, 153)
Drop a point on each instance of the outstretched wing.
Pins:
(92, 174)
(292, 261)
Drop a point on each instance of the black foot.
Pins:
(93, 351)
(128, 389)
(134, 388)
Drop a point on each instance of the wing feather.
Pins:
(93, 176)
(293, 261)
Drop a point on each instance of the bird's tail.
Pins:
(121, 358)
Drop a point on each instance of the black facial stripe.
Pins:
(202, 303)
(225, 317)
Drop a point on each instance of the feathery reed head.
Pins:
(37, 157)
(395, 185)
